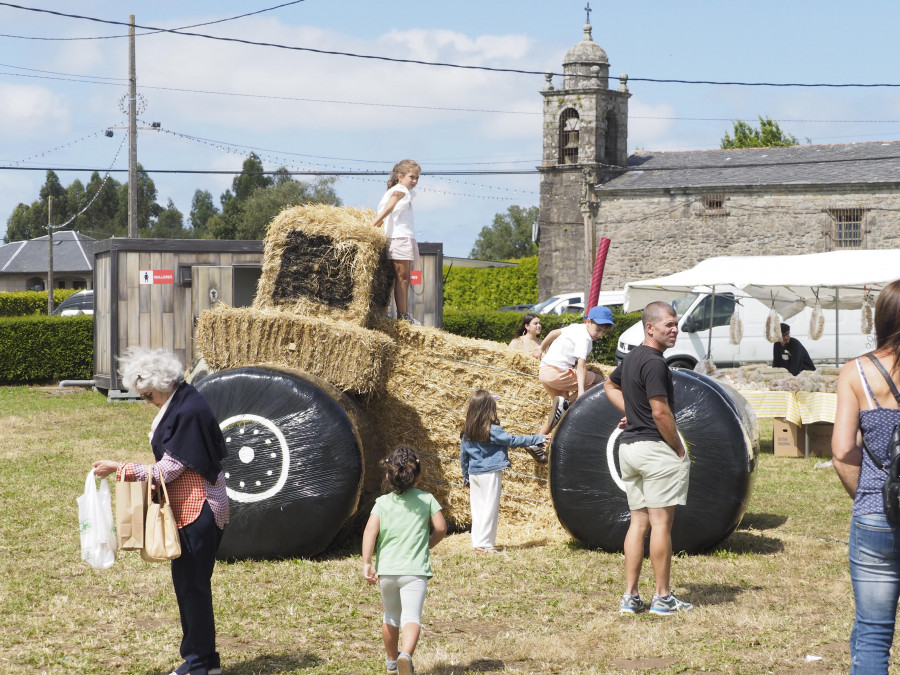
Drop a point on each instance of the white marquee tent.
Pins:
(837, 279)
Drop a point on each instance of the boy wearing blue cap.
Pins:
(564, 372)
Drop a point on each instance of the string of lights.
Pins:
(278, 159)
(63, 146)
(99, 188)
(444, 64)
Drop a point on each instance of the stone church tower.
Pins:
(585, 136)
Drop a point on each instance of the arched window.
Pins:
(568, 136)
(34, 284)
(612, 138)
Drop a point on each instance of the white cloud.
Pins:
(648, 126)
(30, 110)
(336, 83)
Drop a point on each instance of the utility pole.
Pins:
(132, 135)
(50, 255)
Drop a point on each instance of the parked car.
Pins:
(81, 302)
(516, 308)
(573, 303)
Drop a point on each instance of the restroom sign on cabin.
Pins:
(157, 276)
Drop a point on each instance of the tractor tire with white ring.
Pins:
(294, 467)
(585, 479)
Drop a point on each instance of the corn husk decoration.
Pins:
(816, 324)
(736, 333)
(773, 326)
(867, 321)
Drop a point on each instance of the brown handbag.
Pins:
(131, 512)
(161, 540)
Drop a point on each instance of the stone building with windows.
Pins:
(666, 211)
(24, 264)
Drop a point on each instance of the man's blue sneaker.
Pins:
(631, 604)
(668, 605)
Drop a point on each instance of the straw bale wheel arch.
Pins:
(585, 477)
(295, 464)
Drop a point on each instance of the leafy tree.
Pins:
(768, 135)
(99, 221)
(169, 224)
(509, 236)
(20, 224)
(28, 222)
(255, 199)
(202, 209)
(147, 208)
(250, 178)
(263, 205)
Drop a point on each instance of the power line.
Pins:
(475, 172)
(221, 144)
(72, 77)
(113, 37)
(314, 172)
(444, 64)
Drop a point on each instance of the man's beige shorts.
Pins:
(654, 476)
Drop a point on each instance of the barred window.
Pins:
(711, 205)
(568, 136)
(847, 230)
(714, 202)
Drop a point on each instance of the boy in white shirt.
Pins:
(564, 372)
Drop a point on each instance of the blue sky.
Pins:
(364, 114)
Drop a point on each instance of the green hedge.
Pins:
(501, 326)
(26, 303)
(493, 287)
(36, 349)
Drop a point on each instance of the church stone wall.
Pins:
(653, 236)
(561, 260)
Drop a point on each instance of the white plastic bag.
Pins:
(98, 530)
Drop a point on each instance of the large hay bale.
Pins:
(326, 261)
(424, 405)
(344, 354)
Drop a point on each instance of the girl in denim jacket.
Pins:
(483, 457)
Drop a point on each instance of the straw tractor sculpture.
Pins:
(314, 384)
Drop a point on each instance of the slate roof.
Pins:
(868, 163)
(72, 252)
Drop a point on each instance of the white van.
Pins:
(573, 303)
(693, 339)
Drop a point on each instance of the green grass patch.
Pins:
(776, 590)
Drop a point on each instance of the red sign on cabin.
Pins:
(415, 277)
(157, 276)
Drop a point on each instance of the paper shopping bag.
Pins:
(131, 510)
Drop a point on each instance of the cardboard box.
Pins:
(818, 437)
(787, 438)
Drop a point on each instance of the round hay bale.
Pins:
(295, 462)
(585, 478)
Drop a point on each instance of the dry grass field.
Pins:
(774, 594)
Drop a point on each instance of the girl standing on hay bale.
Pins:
(398, 533)
(527, 339)
(395, 211)
(483, 455)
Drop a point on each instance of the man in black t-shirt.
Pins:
(654, 463)
(789, 353)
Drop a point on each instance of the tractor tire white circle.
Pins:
(237, 424)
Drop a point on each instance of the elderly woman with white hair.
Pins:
(188, 447)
